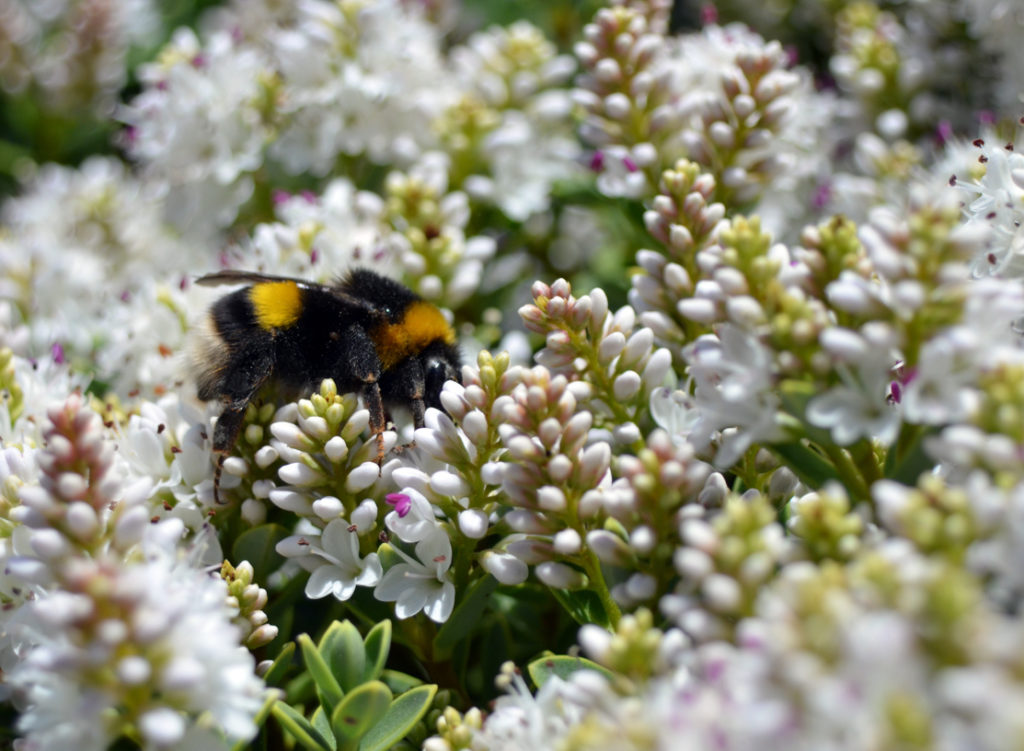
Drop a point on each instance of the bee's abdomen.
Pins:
(276, 305)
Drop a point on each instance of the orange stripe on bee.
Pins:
(421, 325)
(277, 305)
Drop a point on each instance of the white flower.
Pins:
(174, 621)
(342, 569)
(197, 125)
(413, 518)
(520, 720)
(168, 443)
(942, 387)
(619, 174)
(357, 79)
(73, 55)
(82, 246)
(674, 410)
(999, 206)
(858, 407)
(734, 389)
(422, 584)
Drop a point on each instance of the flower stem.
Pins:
(600, 587)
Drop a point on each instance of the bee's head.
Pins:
(440, 365)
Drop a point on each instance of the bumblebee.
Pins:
(372, 335)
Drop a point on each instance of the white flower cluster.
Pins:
(73, 53)
(518, 79)
(799, 443)
(109, 626)
(311, 86)
(724, 98)
(94, 274)
(816, 661)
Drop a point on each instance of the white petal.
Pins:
(411, 601)
(439, 607)
(321, 582)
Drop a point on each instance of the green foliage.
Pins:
(465, 617)
(359, 704)
(256, 545)
(561, 666)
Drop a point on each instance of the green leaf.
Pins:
(399, 682)
(401, 717)
(907, 460)
(376, 649)
(563, 666)
(465, 617)
(388, 557)
(327, 686)
(583, 605)
(300, 728)
(359, 711)
(323, 725)
(795, 395)
(812, 469)
(300, 689)
(275, 675)
(257, 545)
(342, 650)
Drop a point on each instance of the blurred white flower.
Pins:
(999, 207)
(198, 122)
(858, 407)
(734, 388)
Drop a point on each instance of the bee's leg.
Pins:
(372, 399)
(229, 424)
(359, 357)
(409, 386)
(249, 373)
(419, 408)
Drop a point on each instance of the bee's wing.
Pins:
(236, 276)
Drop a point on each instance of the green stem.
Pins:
(600, 587)
(863, 455)
(807, 464)
(849, 475)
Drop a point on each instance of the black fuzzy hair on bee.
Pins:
(371, 334)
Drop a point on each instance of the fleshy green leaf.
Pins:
(322, 724)
(401, 717)
(275, 675)
(326, 684)
(300, 728)
(399, 682)
(376, 649)
(561, 665)
(256, 545)
(342, 650)
(361, 709)
(465, 617)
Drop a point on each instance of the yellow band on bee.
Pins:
(277, 305)
(421, 325)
